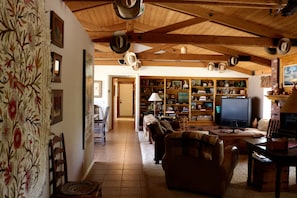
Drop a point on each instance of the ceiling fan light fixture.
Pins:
(271, 50)
(290, 8)
(121, 61)
(183, 50)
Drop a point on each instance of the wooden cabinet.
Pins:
(195, 98)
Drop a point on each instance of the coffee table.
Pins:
(280, 158)
(236, 137)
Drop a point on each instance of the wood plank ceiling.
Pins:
(210, 31)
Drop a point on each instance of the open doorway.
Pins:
(123, 98)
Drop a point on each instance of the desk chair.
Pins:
(101, 126)
(60, 186)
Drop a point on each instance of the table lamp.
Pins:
(154, 98)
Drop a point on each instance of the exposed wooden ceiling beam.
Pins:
(171, 56)
(179, 25)
(232, 52)
(221, 18)
(194, 39)
(260, 4)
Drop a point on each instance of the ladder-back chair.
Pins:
(273, 127)
(101, 126)
(60, 186)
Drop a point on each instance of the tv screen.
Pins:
(236, 112)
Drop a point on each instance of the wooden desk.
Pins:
(280, 158)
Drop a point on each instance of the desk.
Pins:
(280, 158)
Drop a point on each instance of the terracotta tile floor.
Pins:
(118, 163)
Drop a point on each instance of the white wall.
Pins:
(75, 40)
(105, 73)
(258, 94)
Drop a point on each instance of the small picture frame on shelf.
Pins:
(177, 84)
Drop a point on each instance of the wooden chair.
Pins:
(101, 126)
(273, 127)
(60, 186)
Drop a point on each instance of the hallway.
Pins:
(118, 163)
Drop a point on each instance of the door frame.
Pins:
(116, 80)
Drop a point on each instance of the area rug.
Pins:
(156, 186)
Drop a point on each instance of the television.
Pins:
(236, 112)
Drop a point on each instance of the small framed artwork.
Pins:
(56, 67)
(57, 106)
(289, 75)
(57, 30)
(98, 89)
(177, 84)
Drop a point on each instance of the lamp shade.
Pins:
(154, 97)
(291, 105)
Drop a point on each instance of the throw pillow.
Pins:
(263, 124)
(166, 124)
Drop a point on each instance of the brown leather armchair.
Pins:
(198, 162)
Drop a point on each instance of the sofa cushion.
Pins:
(196, 145)
(263, 124)
(166, 126)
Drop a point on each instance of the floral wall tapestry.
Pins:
(24, 97)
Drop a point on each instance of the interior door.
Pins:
(125, 100)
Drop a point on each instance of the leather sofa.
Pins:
(198, 162)
(158, 131)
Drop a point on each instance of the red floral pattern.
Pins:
(24, 97)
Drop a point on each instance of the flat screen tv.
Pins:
(236, 112)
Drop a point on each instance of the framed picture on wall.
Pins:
(97, 88)
(88, 98)
(57, 30)
(289, 75)
(57, 106)
(56, 67)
